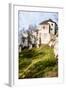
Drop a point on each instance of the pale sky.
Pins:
(27, 18)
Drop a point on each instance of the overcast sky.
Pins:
(27, 18)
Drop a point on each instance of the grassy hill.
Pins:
(37, 63)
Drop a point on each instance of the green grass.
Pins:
(37, 63)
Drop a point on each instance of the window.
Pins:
(43, 27)
(51, 29)
(52, 24)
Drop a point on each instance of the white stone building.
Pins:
(45, 31)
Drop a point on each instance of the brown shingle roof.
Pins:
(46, 21)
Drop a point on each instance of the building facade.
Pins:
(46, 31)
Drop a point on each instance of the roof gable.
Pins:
(46, 21)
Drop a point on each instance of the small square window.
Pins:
(51, 28)
(43, 27)
(52, 24)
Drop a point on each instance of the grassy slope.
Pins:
(38, 62)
